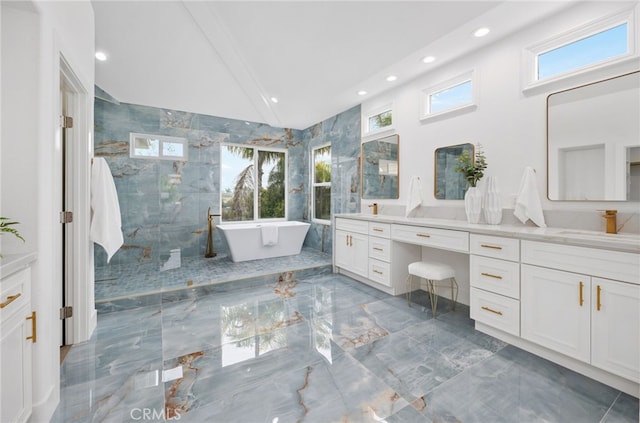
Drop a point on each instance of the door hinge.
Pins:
(66, 217)
(66, 122)
(66, 312)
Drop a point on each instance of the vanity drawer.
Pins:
(495, 246)
(15, 292)
(351, 225)
(608, 264)
(431, 237)
(382, 230)
(380, 272)
(380, 248)
(495, 310)
(498, 276)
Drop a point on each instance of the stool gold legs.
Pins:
(432, 289)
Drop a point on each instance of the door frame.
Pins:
(78, 250)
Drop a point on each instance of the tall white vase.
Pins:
(492, 204)
(473, 204)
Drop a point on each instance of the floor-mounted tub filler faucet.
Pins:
(375, 208)
(610, 217)
(209, 252)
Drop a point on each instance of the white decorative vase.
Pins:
(492, 204)
(473, 204)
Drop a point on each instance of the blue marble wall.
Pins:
(343, 132)
(158, 217)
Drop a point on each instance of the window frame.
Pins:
(375, 111)
(534, 51)
(256, 206)
(162, 139)
(313, 185)
(427, 93)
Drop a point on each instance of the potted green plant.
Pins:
(472, 167)
(6, 226)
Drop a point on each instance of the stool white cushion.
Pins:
(431, 270)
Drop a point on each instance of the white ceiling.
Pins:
(229, 58)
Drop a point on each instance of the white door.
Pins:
(352, 252)
(555, 310)
(343, 253)
(615, 327)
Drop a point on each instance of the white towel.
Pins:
(414, 197)
(105, 210)
(528, 204)
(269, 235)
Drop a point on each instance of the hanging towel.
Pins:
(414, 198)
(269, 235)
(528, 204)
(105, 210)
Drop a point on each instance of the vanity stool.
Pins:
(433, 273)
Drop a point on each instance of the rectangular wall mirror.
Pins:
(380, 168)
(449, 184)
(593, 141)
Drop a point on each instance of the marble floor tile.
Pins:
(315, 348)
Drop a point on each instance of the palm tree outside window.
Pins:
(253, 183)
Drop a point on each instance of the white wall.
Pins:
(509, 124)
(34, 37)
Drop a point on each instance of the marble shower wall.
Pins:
(343, 133)
(159, 216)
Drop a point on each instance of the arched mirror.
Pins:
(593, 141)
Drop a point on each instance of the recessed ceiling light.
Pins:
(428, 59)
(481, 32)
(100, 55)
(362, 92)
(391, 78)
(274, 99)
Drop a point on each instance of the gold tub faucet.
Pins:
(610, 217)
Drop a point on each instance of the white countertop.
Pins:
(11, 263)
(582, 238)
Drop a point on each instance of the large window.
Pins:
(321, 183)
(253, 183)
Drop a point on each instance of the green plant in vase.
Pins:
(472, 166)
(6, 226)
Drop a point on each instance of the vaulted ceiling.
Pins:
(229, 58)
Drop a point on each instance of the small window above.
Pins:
(146, 146)
(454, 95)
(377, 120)
(591, 46)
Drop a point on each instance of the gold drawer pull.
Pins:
(34, 326)
(424, 235)
(491, 246)
(492, 310)
(581, 296)
(378, 230)
(378, 272)
(378, 249)
(491, 276)
(598, 291)
(10, 299)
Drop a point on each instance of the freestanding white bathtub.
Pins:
(245, 240)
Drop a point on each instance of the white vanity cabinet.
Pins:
(380, 253)
(494, 272)
(583, 315)
(17, 326)
(351, 244)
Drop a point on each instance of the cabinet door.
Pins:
(556, 310)
(15, 358)
(615, 327)
(352, 252)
